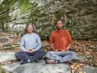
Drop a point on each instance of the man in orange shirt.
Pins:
(60, 41)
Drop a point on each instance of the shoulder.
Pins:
(36, 35)
(66, 31)
(53, 33)
(25, 35)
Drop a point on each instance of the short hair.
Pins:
(29, 24)
(58, 20)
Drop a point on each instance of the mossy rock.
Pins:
(2, 70)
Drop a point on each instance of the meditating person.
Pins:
(60, 41)
(30, 46)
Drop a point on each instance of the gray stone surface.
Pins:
(11, 67)
(40, 67)
(89, 69)
(82, 13)
(4, 56)
(80, 57)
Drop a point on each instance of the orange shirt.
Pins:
(61, 39)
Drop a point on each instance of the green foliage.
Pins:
(24, 6)
(4, 12)
(69, 24)
(35, 12)
(53, 22)
(2, 70)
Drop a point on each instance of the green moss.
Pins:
(2, 70)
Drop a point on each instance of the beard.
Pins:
(59, 28)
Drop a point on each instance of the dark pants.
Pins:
(32, 56)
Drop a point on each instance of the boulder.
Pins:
(89, 69)
(7, 56)
(40, 67)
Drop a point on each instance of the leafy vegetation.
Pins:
(25, 7)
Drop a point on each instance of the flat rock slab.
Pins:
(37, 68)
(4, 56)
(89, 69)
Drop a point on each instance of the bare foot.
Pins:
(52, 62)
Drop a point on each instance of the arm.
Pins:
(38, 42)
(69, 41)
(52, 46)
(22, 44)
(51, 42)
(68, 47)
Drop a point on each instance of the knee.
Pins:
(17, 54)
(41, 52)
(74, 55)
(49, 54)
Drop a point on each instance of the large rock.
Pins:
(81, 15)
(40, 67)
(89, 69)
(4, 56)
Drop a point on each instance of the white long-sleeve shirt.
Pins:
(30, 41)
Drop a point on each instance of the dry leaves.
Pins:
(76, 68)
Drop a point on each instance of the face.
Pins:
(59, 25)
(30, 29)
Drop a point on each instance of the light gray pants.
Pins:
(61, 56)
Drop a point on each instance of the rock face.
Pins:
(7, 56)
(38, 68)
(79, 17)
